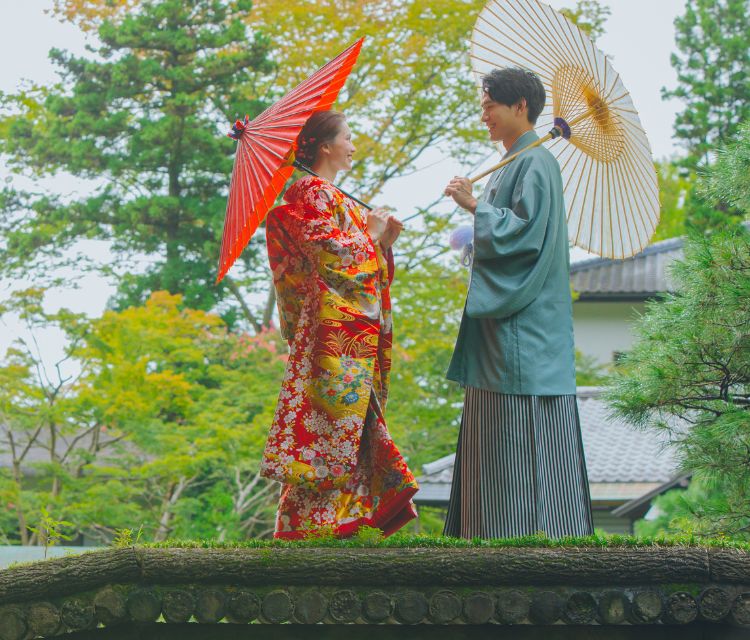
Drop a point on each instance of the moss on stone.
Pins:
(403, 541)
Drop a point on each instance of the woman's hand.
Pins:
(377, 221)
(392, 229)
(460, 190)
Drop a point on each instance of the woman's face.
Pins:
(339, 152)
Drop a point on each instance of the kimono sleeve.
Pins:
(341, 256)
(385, 258)
(519, 229)
(391, 262)
(511, 259)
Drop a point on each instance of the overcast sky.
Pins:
(639, 37)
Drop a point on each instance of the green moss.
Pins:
(404, 541)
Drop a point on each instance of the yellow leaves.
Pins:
(89, 14)
(410, 90)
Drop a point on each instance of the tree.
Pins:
(729, 179)
(412, 88)
(412, 91)
(674, 191)
(713, 44)
(141, 119)
(688, 375)
(424, 408)
(162, 424)
(713, 56)
(685, 511)
(165, 170)
(590, 17)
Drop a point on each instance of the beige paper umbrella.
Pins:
(589, 123)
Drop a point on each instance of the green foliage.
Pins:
(589, 373)
(674, 191)
(49, 531)
(431, 521)
(143, 119)
(713, 44)
(728, 181)
(166, 419)
(368, 536)
(423, 407)
(692, 362)
(124, 537)
(700, 510)
(162, 426)
(590, 17)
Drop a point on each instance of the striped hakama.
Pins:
(519, 469)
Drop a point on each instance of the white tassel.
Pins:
(462, 239)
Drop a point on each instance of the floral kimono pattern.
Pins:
(328, 444)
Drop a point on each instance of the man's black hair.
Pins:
(508, 86)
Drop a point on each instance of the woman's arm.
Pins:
(344, 258)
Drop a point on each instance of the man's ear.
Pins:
(521, 106)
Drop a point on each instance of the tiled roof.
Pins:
(616, 454)
(39, 453)
(615, 451)
(642, 276)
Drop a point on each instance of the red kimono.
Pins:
(328, 444)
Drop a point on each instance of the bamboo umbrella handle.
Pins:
(510, 159)
(554, 133)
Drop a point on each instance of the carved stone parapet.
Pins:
(400, 587)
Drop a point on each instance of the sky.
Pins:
(639, 38)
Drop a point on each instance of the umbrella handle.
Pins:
(502, 163)
(561, 128)
(302, 167)
(510, 159)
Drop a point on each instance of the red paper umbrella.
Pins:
(261, 164)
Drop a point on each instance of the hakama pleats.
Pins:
(519, 468)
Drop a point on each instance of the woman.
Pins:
(332, 267)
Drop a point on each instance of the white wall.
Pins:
(603, 328)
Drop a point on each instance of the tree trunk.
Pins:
(270, 306)
(247, 312)
(22, 524)
(170, 499)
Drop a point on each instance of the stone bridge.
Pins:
(613, 593)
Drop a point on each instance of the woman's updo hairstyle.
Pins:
(321, 128)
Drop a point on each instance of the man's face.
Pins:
(502, 121)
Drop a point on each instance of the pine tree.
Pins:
(713, 43)
(144, 118)
(692, 362)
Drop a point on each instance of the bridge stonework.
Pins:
(612, 593)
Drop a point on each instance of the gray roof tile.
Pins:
(642, 276)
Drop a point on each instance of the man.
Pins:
(519, 467)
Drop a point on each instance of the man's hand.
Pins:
(460, 190)
(392, 229)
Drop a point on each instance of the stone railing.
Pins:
(622, 592)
